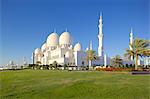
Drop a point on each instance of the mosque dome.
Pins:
(77, 47)
(68, 54)
(52, 39)
(37, 51)
(43, 47)
(65, 39)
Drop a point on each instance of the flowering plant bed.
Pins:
(114, 69)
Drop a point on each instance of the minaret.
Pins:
(91, 45)
(24, 62)
(131, 41)
(100, 37)
(33, 56)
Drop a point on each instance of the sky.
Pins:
(26, 24)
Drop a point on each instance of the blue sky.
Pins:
(25, 24)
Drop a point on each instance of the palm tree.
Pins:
(91, 55)
(117, 61)
(55, 64)
(140, 47)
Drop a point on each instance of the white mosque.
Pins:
(60, 49)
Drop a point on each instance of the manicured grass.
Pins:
(47, 84)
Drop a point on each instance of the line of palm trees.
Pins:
(139, 48)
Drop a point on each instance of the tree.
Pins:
(50, 66)
(65, 66)
(127, 65)
(82, 63)
(140, 48)
(55, 64)
(117, 61)
(45, 66)
(91, 55)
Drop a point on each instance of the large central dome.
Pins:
(65, 39)
(52, 39)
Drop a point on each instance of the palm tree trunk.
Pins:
(136, 63)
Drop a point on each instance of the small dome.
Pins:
(43, 47)
(77, 47)
(37, 51)
(70, 47)
(68, 54)
(52, 39)
(65, 38)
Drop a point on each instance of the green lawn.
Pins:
(47, 84)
